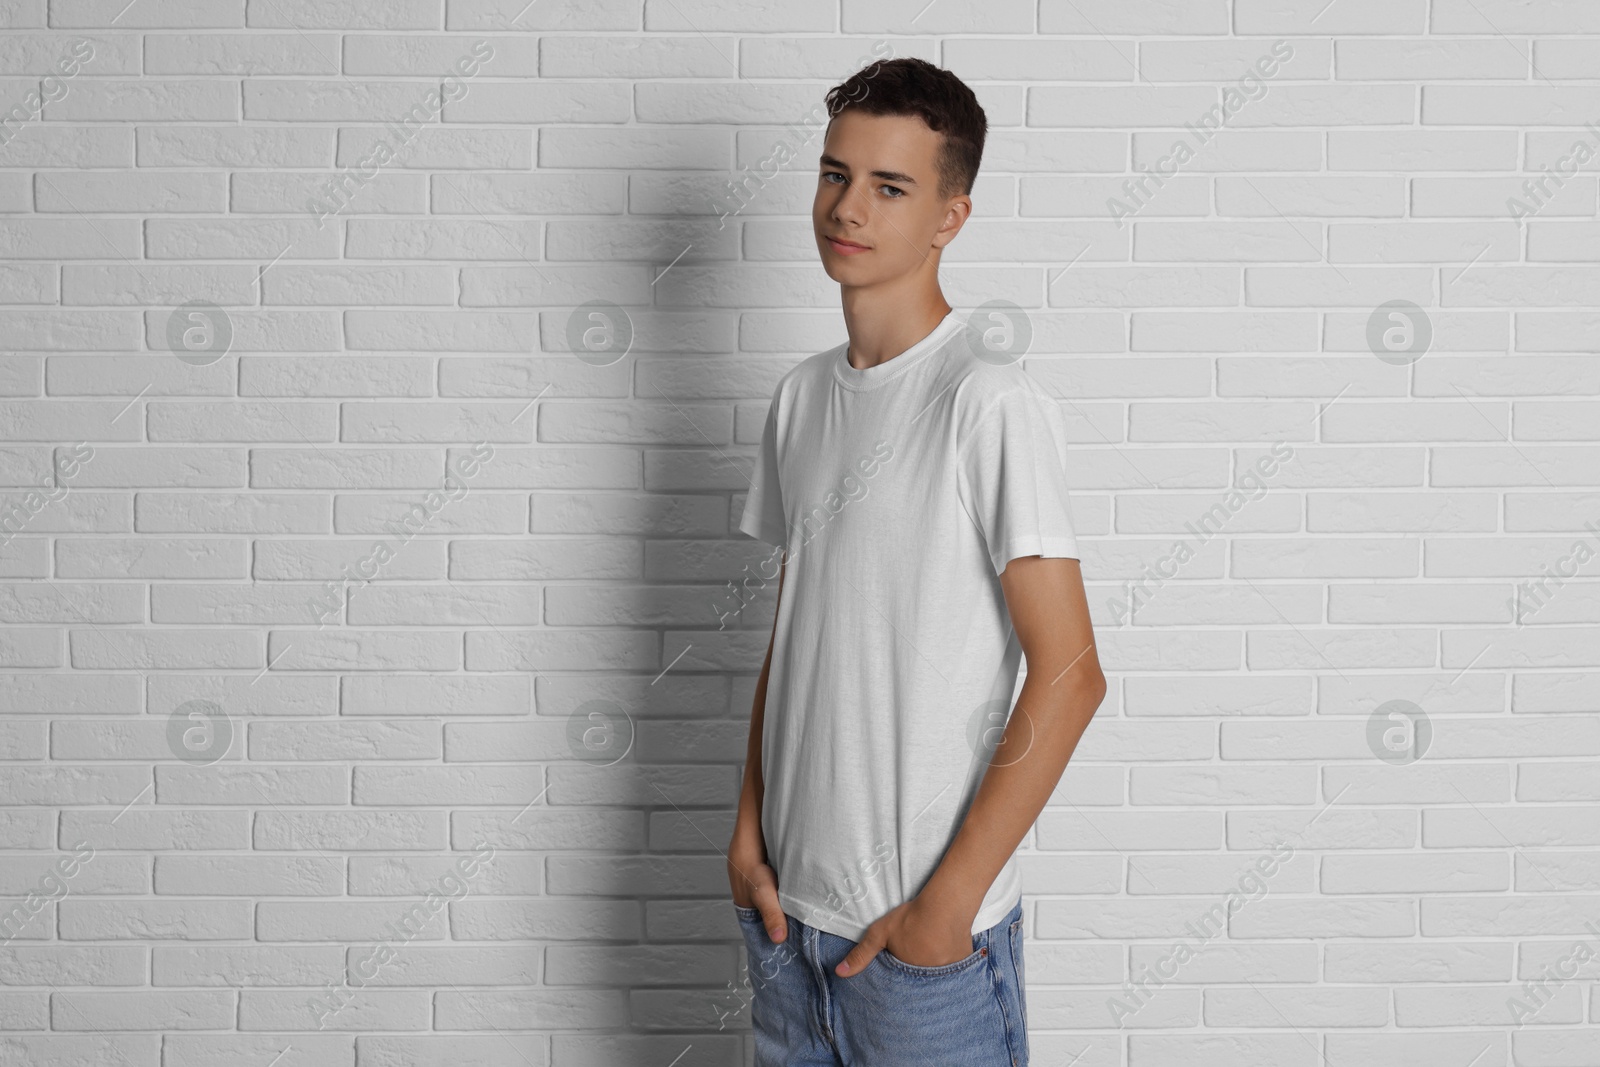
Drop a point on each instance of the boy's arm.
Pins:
(1064, 687)
(754, 882)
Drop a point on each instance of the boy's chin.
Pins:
(844, 273)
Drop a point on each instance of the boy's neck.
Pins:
(881, 329)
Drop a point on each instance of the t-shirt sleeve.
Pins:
(1013, 478)
(763, 507)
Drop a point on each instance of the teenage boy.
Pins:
(914, 480)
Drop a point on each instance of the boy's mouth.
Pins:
(846, 248)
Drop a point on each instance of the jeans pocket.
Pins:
(749, 915)
(943, 970)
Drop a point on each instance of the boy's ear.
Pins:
(957, 213)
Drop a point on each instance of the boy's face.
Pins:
(877, 191)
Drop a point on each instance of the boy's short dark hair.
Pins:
(911, 86)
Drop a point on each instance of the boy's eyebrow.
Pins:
(886, 175)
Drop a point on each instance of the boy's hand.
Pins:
(755, 885)
(919, 932)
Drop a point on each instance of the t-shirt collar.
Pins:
(872, 377)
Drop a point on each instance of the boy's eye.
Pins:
(896, 190)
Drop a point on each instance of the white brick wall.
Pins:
(184, 891)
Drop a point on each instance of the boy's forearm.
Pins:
(1045, 728)
(747, 835)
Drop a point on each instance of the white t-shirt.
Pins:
(900, 492)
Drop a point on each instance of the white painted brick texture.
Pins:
(323, 555)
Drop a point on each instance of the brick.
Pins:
(242, 54)
(173, 100)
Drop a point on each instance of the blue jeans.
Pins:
(891, 1014)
